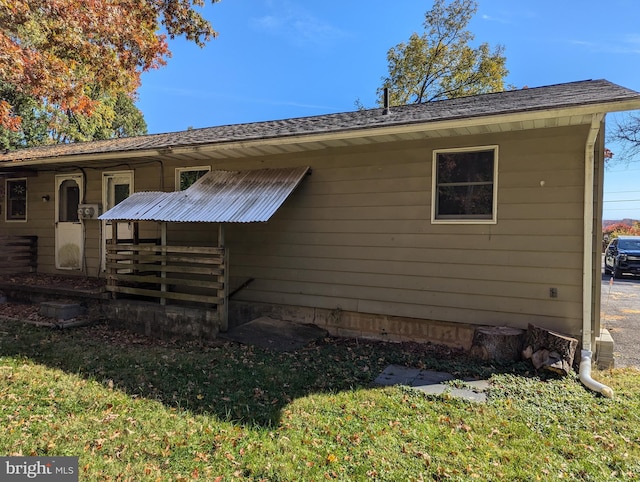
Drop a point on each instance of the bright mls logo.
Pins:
(51, 469)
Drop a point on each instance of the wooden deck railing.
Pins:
(169, 273)
(18, 254)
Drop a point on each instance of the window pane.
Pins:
(69, 198)
(466, 201)
(120, 193)
(465, 167)
(73, 200)
(187, 178)
(464, 185)
(17, 200)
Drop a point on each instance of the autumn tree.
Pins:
(56, 53)
(621, 228)
(440, 63)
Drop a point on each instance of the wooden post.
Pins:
(110, 247)
(136, 242)
(220, 235)
(163, 262)
(223, 307)
(136, 232)
(114, 270)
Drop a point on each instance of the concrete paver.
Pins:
(431, 382)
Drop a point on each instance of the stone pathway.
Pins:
(431, 382)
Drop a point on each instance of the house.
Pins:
(417, 222)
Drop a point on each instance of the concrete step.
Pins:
(61, 310)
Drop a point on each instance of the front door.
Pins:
(69, 233)
(116, 187)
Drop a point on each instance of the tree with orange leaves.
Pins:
(52, 50)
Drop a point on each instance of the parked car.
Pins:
(622, 256)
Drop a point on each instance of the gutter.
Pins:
(587, 262)
(307, 140)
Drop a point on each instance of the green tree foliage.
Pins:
(41, 124)
(32, 130)
(440, 63)
(113, 116)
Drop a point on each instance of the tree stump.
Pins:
(549, 350)
(500, 343)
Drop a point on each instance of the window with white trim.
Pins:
(186, 176)
(16, 192)
(465, 185)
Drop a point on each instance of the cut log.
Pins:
(500, 343)
(538, 358)
(549, 350)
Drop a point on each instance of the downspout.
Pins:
(587, 263)
(84, 226)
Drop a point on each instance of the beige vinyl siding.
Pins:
(357, 236)
(39, 217)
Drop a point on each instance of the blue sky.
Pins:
(277, 59)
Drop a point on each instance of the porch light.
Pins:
(45, 198)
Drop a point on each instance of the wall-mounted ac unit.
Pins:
(89, 211)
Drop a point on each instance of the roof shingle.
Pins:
(589, 92)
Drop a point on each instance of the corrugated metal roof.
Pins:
(217, 197)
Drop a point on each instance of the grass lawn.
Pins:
(135, 409)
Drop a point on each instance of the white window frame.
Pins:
(434, 187)
(180, 170)
(107, 177)
(6, 200)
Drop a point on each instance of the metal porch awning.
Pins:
(217, 197)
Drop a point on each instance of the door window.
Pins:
(120, 193)
(68, 199)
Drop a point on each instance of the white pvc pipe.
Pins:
(585, 376)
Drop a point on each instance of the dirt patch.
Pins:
(275, 335)
(79, 283)
(30, 313)
(24, 312)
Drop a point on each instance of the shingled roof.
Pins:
(560, 96)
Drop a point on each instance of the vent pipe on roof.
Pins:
(386, 110)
